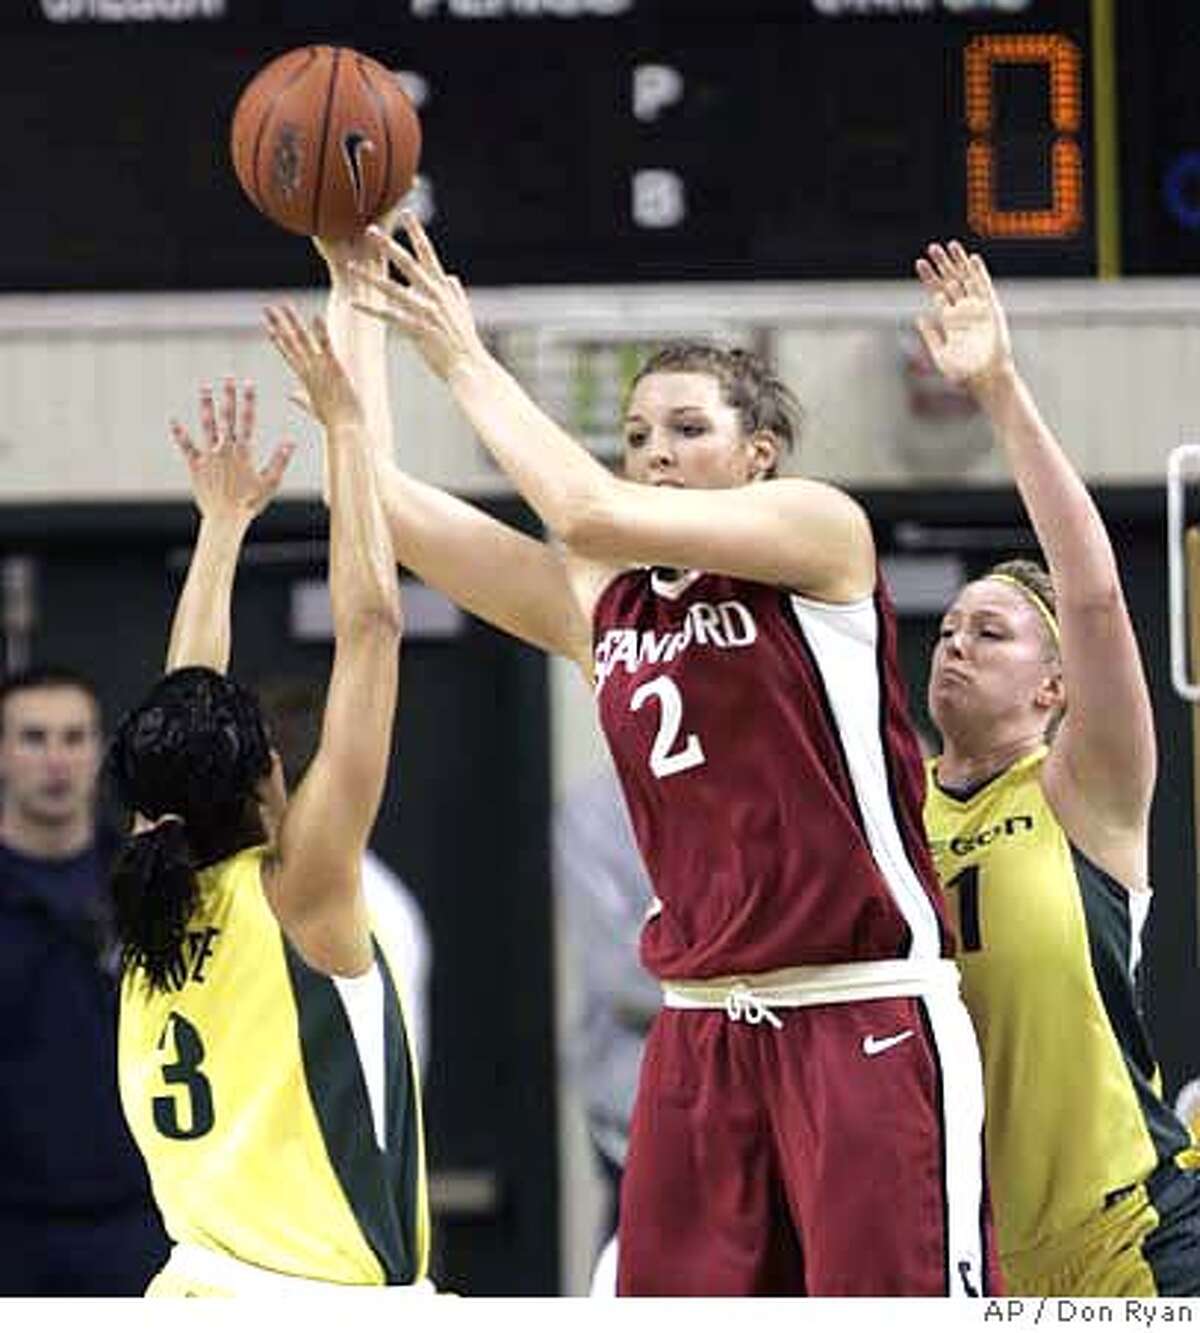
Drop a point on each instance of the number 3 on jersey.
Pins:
(665, 759)
(189, 1116)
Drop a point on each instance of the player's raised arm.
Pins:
(230, 492)
(1102, 760)
(316, 889)
(798, 533)
(504, 577)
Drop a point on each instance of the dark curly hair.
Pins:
(748, 385)
(190, 755)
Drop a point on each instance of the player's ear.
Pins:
(1052, 692)
(764, 455)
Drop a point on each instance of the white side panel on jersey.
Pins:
(396, 916)
(962, 1140)
(843, 642)
(362, 999)
(1139, 910)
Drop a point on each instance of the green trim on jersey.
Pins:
(380, 1185)
(1111, 941)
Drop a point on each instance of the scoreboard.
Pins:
(624, 140)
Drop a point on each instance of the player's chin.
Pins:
(947, 701)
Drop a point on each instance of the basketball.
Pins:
(324, 141)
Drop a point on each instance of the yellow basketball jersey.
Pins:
(1049, 944)
(279, 1122)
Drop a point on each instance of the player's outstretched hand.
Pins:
(966, 333)
(429, 306)
(225, 481)
(329, 395)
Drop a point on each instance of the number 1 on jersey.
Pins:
(967, 884)
(663, 760)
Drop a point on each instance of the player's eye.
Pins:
(635, 438)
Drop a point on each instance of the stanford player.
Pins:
(809, 1119)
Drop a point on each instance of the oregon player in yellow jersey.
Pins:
(264, 1067)
(1038, 812)
(1049, 942)
(276, 1106)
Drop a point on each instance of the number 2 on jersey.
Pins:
(185, 1071)
(663, 759)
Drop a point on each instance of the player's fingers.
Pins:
(983, 279)
(958, 257)
(929, 278)
(271, 473)
(298, 331)
(388, 287)
(405, 302)
(208, 417)
(421, 244)
(931, 334)
(947, 271)
(249, 412)
(378, 312)
(940, 260)
(279, 336)
(289, 335)
(412, 272)
(321, 335)
(228, 423)
(184, 442)
(411, 326)
(387, 246)
(300, 399)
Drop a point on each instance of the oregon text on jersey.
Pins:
(965, 844)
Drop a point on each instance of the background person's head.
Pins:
(194, 758)
(996, 675)
(293, 707)
(50, 755)
(704, 416)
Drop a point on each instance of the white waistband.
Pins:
(213, 1268)
(753, 997)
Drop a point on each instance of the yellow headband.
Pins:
(1042, 609)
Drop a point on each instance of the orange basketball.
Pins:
(325, 141)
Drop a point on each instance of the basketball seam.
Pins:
(381, 107)
(265, 120)
(316, 213)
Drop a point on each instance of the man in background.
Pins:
(76, 1213)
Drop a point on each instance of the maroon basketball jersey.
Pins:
(773, 778)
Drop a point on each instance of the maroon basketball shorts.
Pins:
(839, 1153)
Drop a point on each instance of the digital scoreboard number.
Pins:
(1063, 212)
(603, 141)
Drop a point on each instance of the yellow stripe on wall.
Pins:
(1105, 139)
